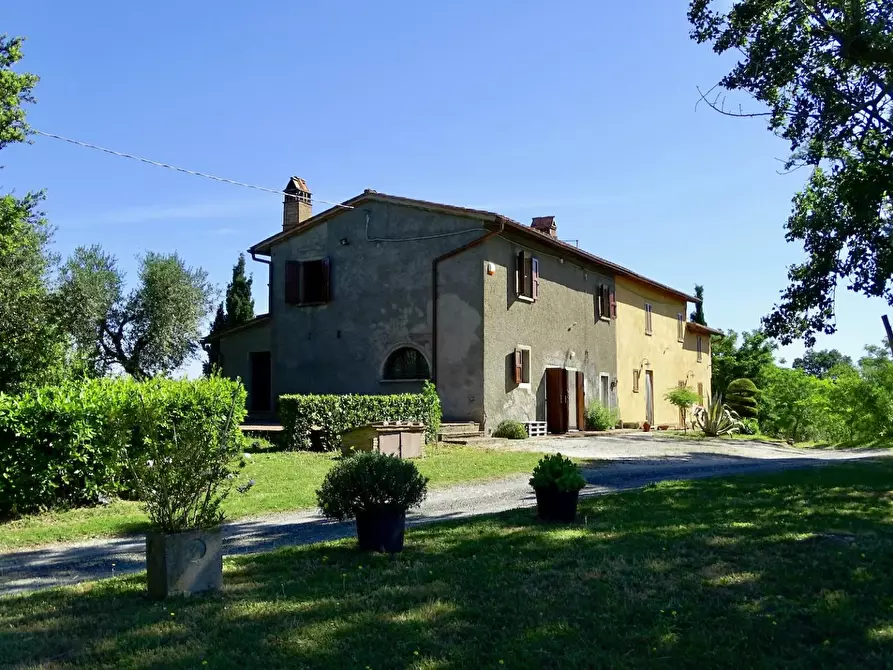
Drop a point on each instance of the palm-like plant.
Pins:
(717, 419)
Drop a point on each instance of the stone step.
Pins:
(459, 428)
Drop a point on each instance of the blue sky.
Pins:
(581, 110)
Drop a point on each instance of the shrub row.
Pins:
(66, 445)
(334, 414)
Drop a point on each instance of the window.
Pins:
(307, 282)
(605, 303)
(680, 327)
(605, 389)
(700, 393)
(405, 364)
(527, 276)
(700, 348)
(648, 318)
(522, 366)
(636, 374)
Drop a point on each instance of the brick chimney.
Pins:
(296, 208)
(546, 225)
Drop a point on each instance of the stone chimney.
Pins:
(296, 208)
(546, 225)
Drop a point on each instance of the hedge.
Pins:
(64, 446)
(334, 414)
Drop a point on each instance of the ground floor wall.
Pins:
(236, 352)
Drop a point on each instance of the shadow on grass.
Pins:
(854, 445)
(789, 569)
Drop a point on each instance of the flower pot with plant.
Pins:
(376, 490)
(557, 481)
(184, 472)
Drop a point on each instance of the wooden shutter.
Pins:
(612, 300)
(636, 381)
(700, 393)
(535, 277)
(325, 284)
(292, 282)
(519, 366)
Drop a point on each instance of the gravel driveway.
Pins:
(636, 460)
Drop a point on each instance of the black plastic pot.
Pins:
(381, 530)
(555, 505)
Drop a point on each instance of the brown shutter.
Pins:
(700, 393)
(324, 279)
(535, 277)
(519, 366)
(292, 294)
(612, 299)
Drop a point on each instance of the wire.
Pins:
(195, 173)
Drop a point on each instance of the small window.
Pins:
(603, 304)
(605, 389)
(700, 348)
(648, 324)
(522, 366)
(700, 393)
(636, 374)
(680, 327)
(527, 276)
(406, 364)
(307, 282)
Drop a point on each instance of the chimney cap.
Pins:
(545, 225)
(296, 184)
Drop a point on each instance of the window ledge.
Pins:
(402, 381)
(648, 332)
(525, 298)
(604, 318)
(524, 385)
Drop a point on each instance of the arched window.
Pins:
(406, 363)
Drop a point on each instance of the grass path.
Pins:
(785, 570)
(284, 481)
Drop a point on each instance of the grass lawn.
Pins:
(284, 481)
(788, 570)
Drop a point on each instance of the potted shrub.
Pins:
(557, 481)
(376, 490)
(184, 471)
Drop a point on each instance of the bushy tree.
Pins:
(824, 71)
(151, 330)
(212, 347)
(794, 405)
(733, 361)
(31, 343)
(820, 363)
(741, 397)
(682, 397)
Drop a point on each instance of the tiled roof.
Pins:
(264, 246)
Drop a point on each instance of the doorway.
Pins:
(649, 397)
(581, 402)
(261, 381)
(556, 400)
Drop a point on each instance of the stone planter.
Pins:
(184, 563)
(381, 530)
(555, 505)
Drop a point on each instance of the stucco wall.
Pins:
(236, 350)
(561, 322)
(669, 360)
(381, 298)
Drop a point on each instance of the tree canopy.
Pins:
(239, 303)
(819, 363)
(151, 330)
(697, 314)
(748, 360)
(823, 70)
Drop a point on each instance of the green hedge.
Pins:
(64, 446)
(335, 414)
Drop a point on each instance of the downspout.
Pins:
(269, 262)
(437, 261)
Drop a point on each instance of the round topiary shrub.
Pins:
(741, 397)
(512, 430)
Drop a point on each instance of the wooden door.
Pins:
(572, 423)
(649, 397)
(556, 400)
(261, 381)
(581, 402)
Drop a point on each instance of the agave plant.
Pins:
(717, 419)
